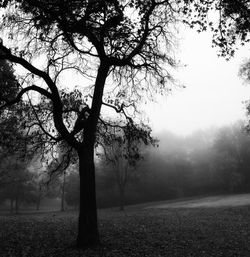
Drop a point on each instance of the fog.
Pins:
(214, 92)
(208, 162)
(205, 163)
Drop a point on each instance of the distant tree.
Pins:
(129, 40)
(56, 178)
(225, 172)
(123, 150)
(40, 190)
(63, 159)
(16, 182)
(72, 188)
(200, 154)
(231, 157)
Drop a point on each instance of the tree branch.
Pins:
(114, 107)
(22, 92)
(9, 56)
(39, 123)
(54, 96)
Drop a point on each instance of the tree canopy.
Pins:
(228, 20)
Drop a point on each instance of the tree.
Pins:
(40, 186)
(72, 190)
(123, 150)
(129, 40)
(231, 158)
(58, 168)
(16, 182)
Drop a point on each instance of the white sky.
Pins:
(214, 93)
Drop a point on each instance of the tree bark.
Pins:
(88, 234)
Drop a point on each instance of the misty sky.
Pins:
(214, 92)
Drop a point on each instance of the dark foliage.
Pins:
(9, 85)
(228, 20)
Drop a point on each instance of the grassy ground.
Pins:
(207, 202)
(183, 232)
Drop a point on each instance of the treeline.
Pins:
(25, 184)
(207, 162)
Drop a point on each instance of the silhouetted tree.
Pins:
(129, 40)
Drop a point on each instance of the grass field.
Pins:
(148, 230)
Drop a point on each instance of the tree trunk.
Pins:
(88, 234)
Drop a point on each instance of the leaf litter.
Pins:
(172, 232)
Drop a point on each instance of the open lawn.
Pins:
(166, 231)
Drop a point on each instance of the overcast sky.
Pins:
(214, 93)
